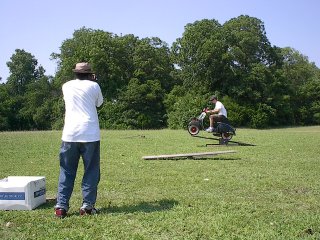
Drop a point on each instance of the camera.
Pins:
(93, 77)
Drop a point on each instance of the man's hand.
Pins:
(93, 78)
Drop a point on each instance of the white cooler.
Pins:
(22, 192)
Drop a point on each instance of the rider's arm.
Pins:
(216, 110)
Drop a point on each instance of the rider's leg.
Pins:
(211, 119)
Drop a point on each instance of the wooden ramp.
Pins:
(187, 155)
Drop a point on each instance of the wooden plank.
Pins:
(187, 155)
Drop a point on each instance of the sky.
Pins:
(40, 26)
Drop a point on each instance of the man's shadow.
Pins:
(146, 207)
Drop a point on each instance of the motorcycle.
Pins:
(223, 130)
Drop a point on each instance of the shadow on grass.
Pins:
(199, 158)
(146, 207)
(219, 159)
(50, 203)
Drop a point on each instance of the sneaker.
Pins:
(210, 129)
(86, 211)
(60, 212)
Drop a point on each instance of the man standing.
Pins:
(80, 138)
(218, 114)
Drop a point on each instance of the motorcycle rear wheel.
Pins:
(226, 136)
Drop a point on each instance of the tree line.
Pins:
(149, 85)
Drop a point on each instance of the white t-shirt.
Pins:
(220, 106)
(81, 123)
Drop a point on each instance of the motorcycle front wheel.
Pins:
(193, 129)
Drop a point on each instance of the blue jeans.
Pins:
(70, 153)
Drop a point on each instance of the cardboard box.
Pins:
(22, 192)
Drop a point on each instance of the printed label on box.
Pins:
(12, 196)
(39, 193)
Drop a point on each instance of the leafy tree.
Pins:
(309, 111)
(198, 55)
(249, 56)
(23, 69)
(303, 80)
(151, 60)
(140, 106)
(57, 114)
(24, 73)
(5, 108)
(37, 104)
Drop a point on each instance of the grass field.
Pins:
(267, 191)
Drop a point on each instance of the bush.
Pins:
(262, 117)
(184, 108)
(236, 113)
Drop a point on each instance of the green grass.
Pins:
(267, 191)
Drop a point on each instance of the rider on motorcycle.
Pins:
(218, 114)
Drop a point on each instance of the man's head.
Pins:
(83, 71)
(213, 99)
